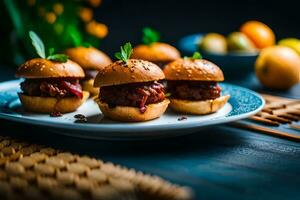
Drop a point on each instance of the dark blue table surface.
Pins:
(217, 163)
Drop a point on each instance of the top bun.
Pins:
(88, 58)
(156, 52)
(43, 68)
(134, 71)
(194, 70)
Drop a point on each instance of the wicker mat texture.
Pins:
(30, 171)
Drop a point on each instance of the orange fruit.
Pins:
(293, 43)
(278, 67)
(259, 33)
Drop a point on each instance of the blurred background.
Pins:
(175, 19)
(119, 21)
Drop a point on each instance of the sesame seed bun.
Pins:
(133, 71)
(198, 107)
(88, 85)
(194, 70)
(156, 52)
(88, 58)
(51, 104)
(43, 68)
(132, 114)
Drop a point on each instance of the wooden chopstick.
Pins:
(266, 130)
(264, 120)
(290, 116)
(294, 126)
(277, 111)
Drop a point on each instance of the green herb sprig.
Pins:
(125, 52)
(168, 94)
(40, 49)
(196, 55)
(150, 36)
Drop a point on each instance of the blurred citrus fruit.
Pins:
(213, 43)
(293, 43)
(238, 41)
(278, 67)
(259, 33)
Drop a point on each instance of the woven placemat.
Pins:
(30, 171)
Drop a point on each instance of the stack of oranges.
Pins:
(277, 67)
(251, 37)
(259, 33)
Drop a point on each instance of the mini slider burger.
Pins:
(193, 84)
(154, 51)
(91, 60)
(130, 89)
(51, 83)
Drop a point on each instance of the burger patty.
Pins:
(52, 88)
(194, 90)
(133, 94)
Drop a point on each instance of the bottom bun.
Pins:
(88, 85)
(51, 104)
(198, 107)
(133, 114)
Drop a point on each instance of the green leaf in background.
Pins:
(125, 52)
(75, 35)
(16, 17)
(51, 51)
(197, 55)
(37, 44)
(86, 44)
(150, 36)
(58, 57)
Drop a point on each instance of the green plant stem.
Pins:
(15, 17)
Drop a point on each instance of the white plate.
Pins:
(242, 104)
